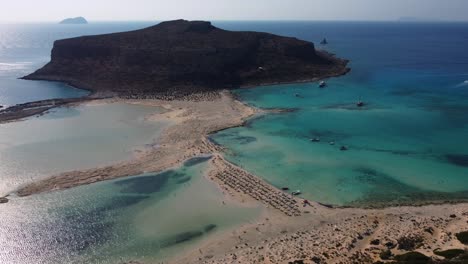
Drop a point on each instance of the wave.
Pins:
(14, 66)
(463, 84)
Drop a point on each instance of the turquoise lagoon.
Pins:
(148, 218)
(408, 145)
(71, 138)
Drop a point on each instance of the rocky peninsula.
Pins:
(179, 58)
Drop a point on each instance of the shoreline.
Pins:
(186, 138)
(286, 229)
(20, 111)
(204, 145)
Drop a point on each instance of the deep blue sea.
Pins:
(408, 144)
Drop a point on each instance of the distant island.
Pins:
(74, 20)
(178, 58)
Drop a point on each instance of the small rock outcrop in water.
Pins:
(182, 57)
(74, 20)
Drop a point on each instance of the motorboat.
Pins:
(297, 192)
(360, 103)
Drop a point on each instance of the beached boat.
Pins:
(296, 192)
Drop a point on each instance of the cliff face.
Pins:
(181, 57)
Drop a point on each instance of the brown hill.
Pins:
(182, 57)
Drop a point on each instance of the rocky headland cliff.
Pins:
(180, 57)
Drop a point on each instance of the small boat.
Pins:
(285, 189)
(324, 42)
(360, 103)
(315, 140)
(343, 148)
(296, 192)
(322, 84)
(332, 142)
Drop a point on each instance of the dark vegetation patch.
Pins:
(145, 184)
(349, 106)
(397, 193)
(122, 201)
(176, 175)
(463, 237)
(281, 110)
(187, 236)
(195, 161)
(209, 228)
(385, 254)
(245, 139)
(391, 151)
(449, 253)
(410, 242)
(181, 238)
(300, 261)
(457, 159)
(250, 122)
(328, 135)
(413, 258)
(183, 180)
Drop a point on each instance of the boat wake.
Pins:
(463, 84)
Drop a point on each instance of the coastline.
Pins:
(284, 232)
(327, 235)
(192, 121)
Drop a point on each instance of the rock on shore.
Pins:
(183, 57)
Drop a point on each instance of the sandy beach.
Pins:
(318, 234)
(192, 120)
(288, 230)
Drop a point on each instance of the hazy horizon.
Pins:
(264, 10)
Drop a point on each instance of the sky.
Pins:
(148, 10)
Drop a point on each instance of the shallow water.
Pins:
(72, 138)
(407, 145)
(148, 218)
